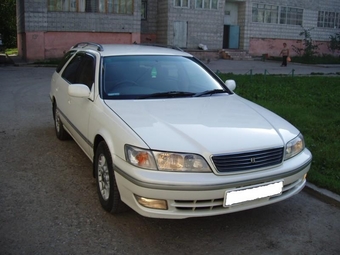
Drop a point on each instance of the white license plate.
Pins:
(252, 193)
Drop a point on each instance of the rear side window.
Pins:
(64, 60)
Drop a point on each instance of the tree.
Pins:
(334, 44)
(8, 28)
(310, 47)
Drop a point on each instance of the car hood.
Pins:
(205, 125)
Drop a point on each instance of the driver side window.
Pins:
(81, 69)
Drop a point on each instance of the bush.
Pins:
(310, 47)
(334, 44)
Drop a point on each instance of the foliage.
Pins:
(312, 105)
(11, 51)
(320, 59)
(8, 28)
(334, 44)
(310, 47)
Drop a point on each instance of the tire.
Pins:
(60, 132)
(107, 188)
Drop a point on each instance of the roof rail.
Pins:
(162, 45)
(84, 44)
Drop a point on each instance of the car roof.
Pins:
(131, 49)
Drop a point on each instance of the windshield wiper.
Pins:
(210, 92)
(169, 94)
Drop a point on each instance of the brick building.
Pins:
(46, 28)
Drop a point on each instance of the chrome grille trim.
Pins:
(248, 160)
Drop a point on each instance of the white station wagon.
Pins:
(168, 138)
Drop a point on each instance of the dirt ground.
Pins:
(49, 204)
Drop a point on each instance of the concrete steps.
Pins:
(204, 55)
(235, 54)
(208, 55)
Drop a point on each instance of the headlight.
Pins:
(165, 161)
(180, 162)
(294, 147)
(140, 157)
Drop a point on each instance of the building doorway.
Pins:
(231, 37)
(231, 31)
(180, 34)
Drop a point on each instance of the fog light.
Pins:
(305, 176)
(152, 203)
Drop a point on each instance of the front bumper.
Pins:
(198, 195)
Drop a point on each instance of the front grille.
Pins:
(199, 205)
(248, 160)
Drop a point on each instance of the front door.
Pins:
(80, 70)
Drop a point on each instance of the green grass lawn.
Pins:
(12, 51)
(325, 59)
(312, 104)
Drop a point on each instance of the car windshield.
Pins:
(143, 77)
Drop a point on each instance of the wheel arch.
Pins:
(96, 142)
(54, 105)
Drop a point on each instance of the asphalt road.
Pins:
(49, 204)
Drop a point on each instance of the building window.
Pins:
(181, 3)
(265, 13)
(328, 19)
(102, 6)
(144, 9)
(291, 16)
(62, 5)
(206, 4)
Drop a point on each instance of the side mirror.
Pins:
(231, 84)
(78, 90)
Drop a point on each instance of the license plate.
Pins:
(252, 193)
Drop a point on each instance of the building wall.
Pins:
(205, 26)
(36, 27)
(243, 21)
(162, 21)
(268, 37)
(20, 28)
(149, 26)
(43, 34)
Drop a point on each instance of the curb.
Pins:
(323, 194)
(5, 59)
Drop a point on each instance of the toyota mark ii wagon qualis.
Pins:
(168, 138)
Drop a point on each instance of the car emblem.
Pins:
(252, 160)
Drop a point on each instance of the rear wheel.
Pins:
(61, 133)
(108, 192)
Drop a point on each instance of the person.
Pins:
(285, 54)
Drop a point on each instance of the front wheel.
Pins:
(108, 192)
